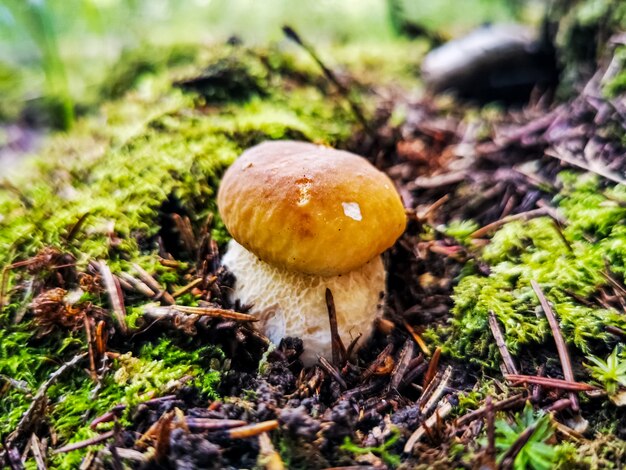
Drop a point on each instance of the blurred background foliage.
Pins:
(56, 53)
(63, 56)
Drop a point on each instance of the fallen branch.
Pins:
(439, 414)
(418, 339)
(510, 455)
(505, 404)
(338, 349)
(157, 312)
(406, 354)
(561, 153)
(561, 347)
(509, 364)
(481, 232)
(332, 371)
(86, 443)
(114, 291)
(550, 383)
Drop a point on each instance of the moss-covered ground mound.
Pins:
(119, 347)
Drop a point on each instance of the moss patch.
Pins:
(156, 150)
(573, 265)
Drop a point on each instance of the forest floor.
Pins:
(500, 343)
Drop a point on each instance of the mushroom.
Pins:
(305, 218)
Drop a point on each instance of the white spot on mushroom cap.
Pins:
(304, 190)
(352, 210)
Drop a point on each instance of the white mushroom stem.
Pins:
(294, 304)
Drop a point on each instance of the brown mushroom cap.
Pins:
(309, 208)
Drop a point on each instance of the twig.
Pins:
(76, 227)
(86, 443)
(209, 424)
(561, 347)
(559, 405)
(509, 364)
(90, 343)
(418, 339)
(185, 230)
(505, 404)
(417, 367)
(137, 285)
(117, 409)
(38, 452)
(115, 296)
(406, 354)
(434, 391)
(561, 153)
(380, 359)
(13, 457)
(338, 349)
(444, 410)
(252, 430)
(332, 371)
(481, 232)
(154, 285)
(268, 458)
(126, 454)
(432, 367)
(510, 455)
(188, 287)
(213, 312)
(550, 383)
(491, 432)
(330, 75)
(27, 418)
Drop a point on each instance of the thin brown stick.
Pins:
(86, 443)
(418, 339)
(187, 288)
(550, 383)
(402, 365)
(561, 347)
(509, 364)
(154, 285)
(185, 230)
(559, 405)
(90, 347)
(76, 227)
(435, 390)
(332, 371)
(511, 454)
(208, 424)
(252, 429)
(380, 359)
(214, 312)
(481, 232)
(115, 296)
(137, 285)
(330, 75)
(561, 153)
(444, 409)
(38, 452)
(491, 432)
(268, 458)
(505, 404)
(338, 349)
(432, 367)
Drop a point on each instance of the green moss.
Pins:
(569, 266)
(156, 151)
(382, 451)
